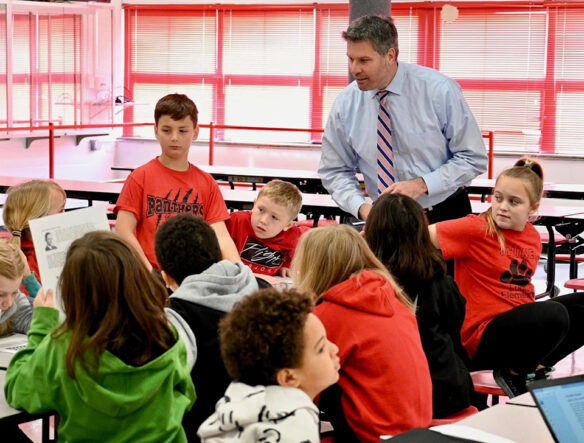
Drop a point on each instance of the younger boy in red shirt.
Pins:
(266, 237)
(170, 185)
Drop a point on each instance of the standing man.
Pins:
(407, 128)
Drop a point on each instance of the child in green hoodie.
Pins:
(114, 370)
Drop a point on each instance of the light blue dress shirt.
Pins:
(434, 136)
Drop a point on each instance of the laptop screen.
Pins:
(561, 402)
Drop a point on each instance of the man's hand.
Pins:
(269, 278)
(42, 300)
(364, 211)
(411, 188)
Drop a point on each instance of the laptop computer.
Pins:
(561, 403)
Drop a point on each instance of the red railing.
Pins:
(212, 128)
(491, 151)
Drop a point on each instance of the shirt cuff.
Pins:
(433, 183)
(354, 204)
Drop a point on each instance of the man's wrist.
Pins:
(423, 185)
(364, 210)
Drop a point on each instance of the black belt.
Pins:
(454, 195)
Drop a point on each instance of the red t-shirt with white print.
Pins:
(153, 193)
(492, 281)
(264, 256)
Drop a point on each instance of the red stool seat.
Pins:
(558, 238)
(566, 257)
(467, 412)
(576, 283)
(484, 383)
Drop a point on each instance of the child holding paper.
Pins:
(115, 370)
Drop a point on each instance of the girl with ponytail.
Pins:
(495, 256)
(25, 202)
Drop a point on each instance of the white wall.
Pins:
(81, 163)
(71, 161)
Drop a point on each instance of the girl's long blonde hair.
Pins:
(332, 254)
(25, 202)
(531, 173)
(11, 267)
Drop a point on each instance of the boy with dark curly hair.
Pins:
(277, 352)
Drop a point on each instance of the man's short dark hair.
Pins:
(186, 245)
(177, 107)
(263, 334)
(381, 31)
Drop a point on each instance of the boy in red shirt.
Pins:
(170, 185)
(266, 237)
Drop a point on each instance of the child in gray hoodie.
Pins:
(205, 288)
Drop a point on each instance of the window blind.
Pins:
(499, 58)
(253, 66)
(55, 73)
(568, 88)
(520, 65)
(3, 77)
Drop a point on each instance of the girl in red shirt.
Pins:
(496, 254)
(384, 385)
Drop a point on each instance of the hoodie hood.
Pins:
(119, 390)
(269, 407)
(368, 292)
(218, 287)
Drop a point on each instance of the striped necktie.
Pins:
(385, 173)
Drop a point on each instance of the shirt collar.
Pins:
(395, 86)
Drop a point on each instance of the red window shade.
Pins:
(269, 43)
(22, 70)
(569, 80)
(521, 65)
(499, 58)
(270, 66)
(61, 66)
(171, 51)
(3, 77)
(173, 44)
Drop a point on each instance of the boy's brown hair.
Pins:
(177, 107)
(263, 334)
(285, 194)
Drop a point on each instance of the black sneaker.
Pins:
(512, 385)
(544, 373)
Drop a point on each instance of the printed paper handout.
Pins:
(53, 234)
